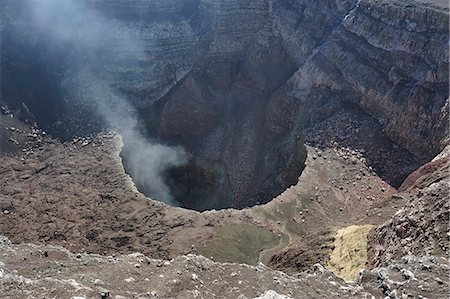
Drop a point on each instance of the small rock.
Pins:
(104, 294)
(407, 274)
(12, 140)
(129, 279)
(318, 268)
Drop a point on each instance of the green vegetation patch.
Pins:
(284, 213)
(239, 243)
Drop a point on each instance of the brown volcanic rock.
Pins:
(421, 227)
(351, 128)
(77, 194)
(304, 253)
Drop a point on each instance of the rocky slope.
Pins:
(421, 226)
(77, 195)
(241, 85)
(100, 210)
(50, 271)
(235, 82)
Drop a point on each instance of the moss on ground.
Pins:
(239, 243)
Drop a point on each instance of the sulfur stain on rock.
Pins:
(349, 255)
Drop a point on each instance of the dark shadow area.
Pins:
(352, 128)
(200, 185)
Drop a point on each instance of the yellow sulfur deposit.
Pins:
(350, 251)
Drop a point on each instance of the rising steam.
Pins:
(89, 34)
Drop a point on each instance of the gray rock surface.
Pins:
(52, 271)
(388, 57)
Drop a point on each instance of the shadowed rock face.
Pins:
(235, 82)
(389, 57)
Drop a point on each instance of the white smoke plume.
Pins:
(89, 32)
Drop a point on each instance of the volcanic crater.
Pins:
(305, 131)
(236, 103)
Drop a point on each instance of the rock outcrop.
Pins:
(235, 82)
(421, 227)
(388, 57)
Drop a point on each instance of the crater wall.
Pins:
(235, 82)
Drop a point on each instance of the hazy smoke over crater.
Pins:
(92, 37)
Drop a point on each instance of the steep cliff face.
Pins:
(389, 57)
(236, 82)
(199, 74)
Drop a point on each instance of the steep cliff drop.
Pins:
(307, 135)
